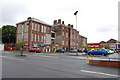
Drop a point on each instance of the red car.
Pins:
(35, 50)
(81, 51)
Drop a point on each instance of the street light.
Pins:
(76, 27)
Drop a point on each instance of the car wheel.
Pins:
(103, 54)
(89, 53)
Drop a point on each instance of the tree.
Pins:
(8, 34)
(21, 45)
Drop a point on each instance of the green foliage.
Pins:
(104, 46)
(21, 42)
(85, 45)
(8, 34)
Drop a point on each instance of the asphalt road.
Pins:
(42, 65)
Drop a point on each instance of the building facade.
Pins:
(49, 38)
(34, 32)
(67, 37)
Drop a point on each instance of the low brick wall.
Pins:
(9, 48)
(105, 63)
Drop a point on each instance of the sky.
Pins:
(96, 19)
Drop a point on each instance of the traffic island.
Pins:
(105, 63)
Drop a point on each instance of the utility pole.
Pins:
(76, 28)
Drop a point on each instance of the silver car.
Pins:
(74, 50)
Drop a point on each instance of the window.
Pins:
(35, 37)
(41, 28)
(38, 38)
(52, 41)
(44, 39)
(63, 33)
(31, 37)
(53, 35)
(32, 26)
(67, 42)
(41, 38)
(66, 34)
(63, 28)
(62, 42)
(38, 27)
(35, 27)
(45, 29)
(22, 30)
(48, 31)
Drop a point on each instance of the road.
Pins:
(52, 65)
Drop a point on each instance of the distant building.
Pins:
(111, 44)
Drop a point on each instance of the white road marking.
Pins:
(99, 73)
(49, 56)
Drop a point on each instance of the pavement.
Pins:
(52, 65)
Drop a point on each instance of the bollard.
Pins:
(88, 59)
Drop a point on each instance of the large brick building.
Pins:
(66, 36)
(34, 32)
(57, 36)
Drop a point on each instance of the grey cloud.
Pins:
(109, 28)
(12, 10)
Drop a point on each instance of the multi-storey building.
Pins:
(66, 36)
(34, 32)
(49, 37)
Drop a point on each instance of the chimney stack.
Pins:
(62, 22)
(71, 26)
(55, 22)
(68, 24)
(29, 18)
(59, 21)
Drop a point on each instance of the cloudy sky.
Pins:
(96, 19)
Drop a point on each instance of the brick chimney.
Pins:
(59, 21)
(29, 18)
(55, 22)
(68, 24)
(71, 26)
(62, 22)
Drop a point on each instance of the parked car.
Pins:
(60, 50)
(111, 51)
(34, 49)
(81, 51)
(98, 52)
(74, 50)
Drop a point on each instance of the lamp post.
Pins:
(76, 28)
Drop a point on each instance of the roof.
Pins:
(36, 20)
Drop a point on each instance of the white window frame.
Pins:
(38, 38)
(63, 33)
(62, 42)
(45, 27)
(42, 28)
(38, 27)
(67, 35)
(31, 37)
(35, 37)
(32, 26)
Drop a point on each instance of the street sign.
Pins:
(42, 45)
(26, 44)
(94, 45)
